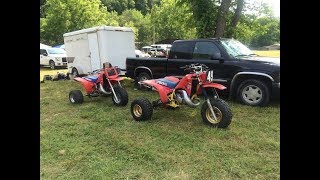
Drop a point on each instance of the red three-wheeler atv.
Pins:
(105, 81)
(175, 92)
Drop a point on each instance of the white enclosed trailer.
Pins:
(94, 46)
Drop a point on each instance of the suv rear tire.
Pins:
(143, 76)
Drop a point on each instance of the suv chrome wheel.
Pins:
(252, 94)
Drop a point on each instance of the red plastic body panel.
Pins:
(163, 90)
(214, 85)
(89, 86)
(172, 78)
(185, 83)
(211, 85)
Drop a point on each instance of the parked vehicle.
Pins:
(174, 92)
(103, 81)
(141, 54)
(252, 79)
(94, 46)
(53, 57)
(162, 46)
(158, 52)
(146, 49)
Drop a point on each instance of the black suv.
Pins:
(251, 78)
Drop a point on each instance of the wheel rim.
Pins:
(210, 117)
(143, 78)
(252, 94)
(74, 72)
(52, 65)
(72, 98)
(137, 110)
(119, 99)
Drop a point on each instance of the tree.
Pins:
(142, 5)
(257, 26)
(139, 23)
(204, 13)
(69, 15)
(118, 5)
(42, 8)
(121, 5)
(267, 32)
(236, 18)
(171, 21)
(221, 20)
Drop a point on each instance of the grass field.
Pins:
(273, 53)
(96, 140)
(48, 71)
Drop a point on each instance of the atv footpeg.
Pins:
(93, 95)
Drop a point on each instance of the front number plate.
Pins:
(210, 76)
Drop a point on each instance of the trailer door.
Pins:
(94, 51)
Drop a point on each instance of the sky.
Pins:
(275, 5)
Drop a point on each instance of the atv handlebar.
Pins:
(96, 71)
(102, 69)
(195, 67)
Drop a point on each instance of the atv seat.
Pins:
(91, 78)
(167, 82)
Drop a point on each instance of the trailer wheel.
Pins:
(75, 72)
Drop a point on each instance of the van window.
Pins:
(56, 51)
(206, 50)
(182, 50)
(42, 51)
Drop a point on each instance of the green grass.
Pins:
(48, 71)
(97, 140)
(272, 53)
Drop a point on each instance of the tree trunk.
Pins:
(237, 14)
(221, 20)
(236, 17)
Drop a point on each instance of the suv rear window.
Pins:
(182, 50)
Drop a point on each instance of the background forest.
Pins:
(250, 21)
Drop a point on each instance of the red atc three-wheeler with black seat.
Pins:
(105, 81)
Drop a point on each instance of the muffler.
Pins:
(186, 98)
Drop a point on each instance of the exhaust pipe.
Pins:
(186, 99)
(102, 90)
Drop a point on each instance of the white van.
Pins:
(90, 48)
(53, 57)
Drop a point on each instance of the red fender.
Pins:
(88, 85)
(211, 85)
(163, 90)
(214, 85)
